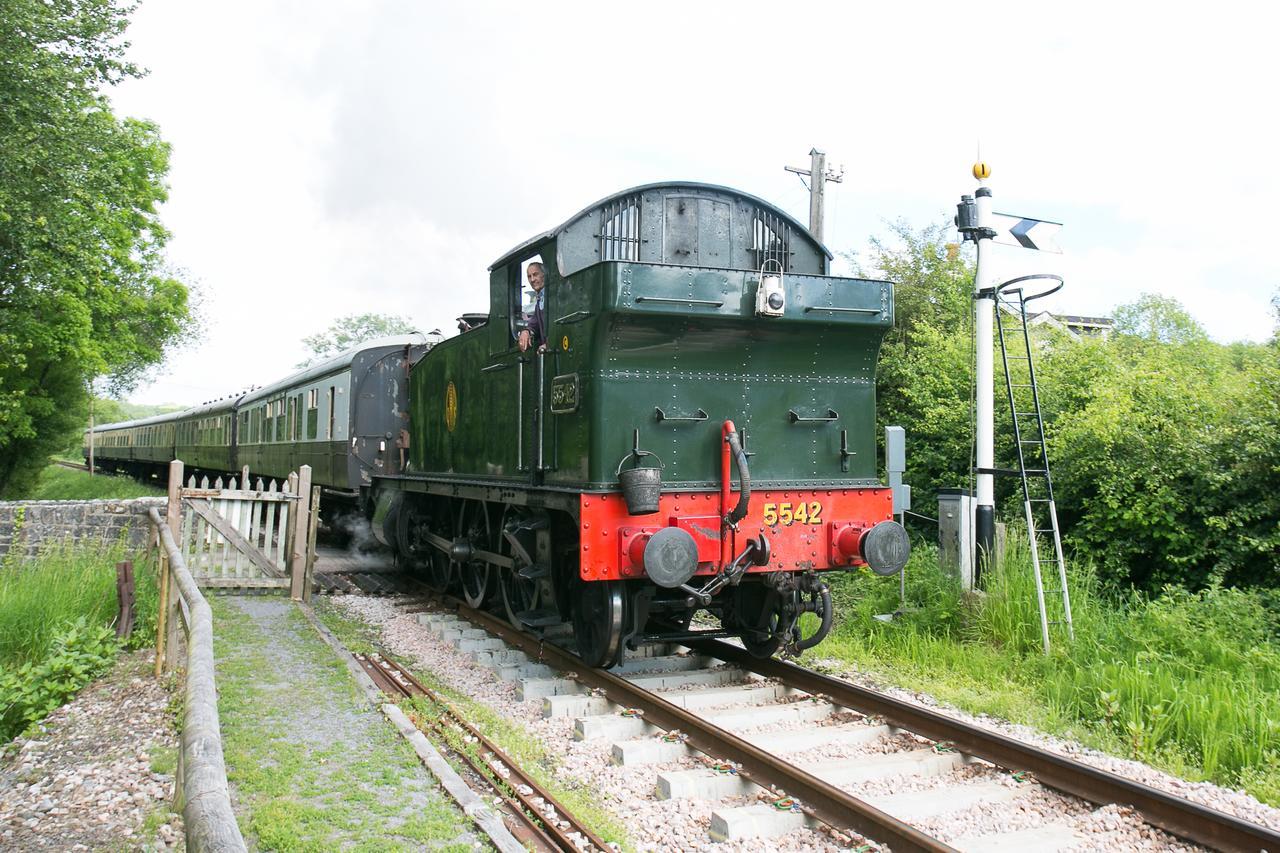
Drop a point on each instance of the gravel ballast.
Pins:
(652, 824)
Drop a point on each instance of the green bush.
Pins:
(28, 693)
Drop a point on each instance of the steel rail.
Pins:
(395, 679)
(1181, 817)
(532, 829)
(516, 770)
(823, 801)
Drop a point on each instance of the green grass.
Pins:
(42, 596)
(294, 795)
(1187, 682)
(56, 617)
(527, 750)
(58, 483)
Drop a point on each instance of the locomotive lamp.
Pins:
(771, 298)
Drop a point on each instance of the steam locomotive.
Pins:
(697, 435)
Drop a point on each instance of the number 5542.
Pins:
(788, 513)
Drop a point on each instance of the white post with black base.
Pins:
(973, 220)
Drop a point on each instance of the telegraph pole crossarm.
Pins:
(819, 175)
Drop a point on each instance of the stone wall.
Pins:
(30, 525)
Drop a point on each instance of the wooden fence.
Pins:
(202, 793)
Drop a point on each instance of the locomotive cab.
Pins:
(699, 433)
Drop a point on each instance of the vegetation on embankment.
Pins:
(59, 483)
(1162, 442)
(56, 627)
(89, 297)
(1189, 682)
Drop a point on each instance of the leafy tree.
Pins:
(1160, 319)
(933, 279)
(353, 330)
(924, 374)
(84, 292)
(1165, 464)
(1162, 442)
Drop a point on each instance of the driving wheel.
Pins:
(598, 608)
(519, 594)
(473, 526)
(759, 619)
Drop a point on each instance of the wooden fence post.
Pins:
(169, 601)
(301, 529)
(312, 526)
(125, 598)
(162, 575)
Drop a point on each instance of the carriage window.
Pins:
(313, 412)
(331, 414)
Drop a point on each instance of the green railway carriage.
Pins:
(205, 436)
(691, 329)
(134, 447)
(346, 417)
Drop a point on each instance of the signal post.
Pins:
(973, 221)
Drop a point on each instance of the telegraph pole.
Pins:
(974, 222)
(818, 176)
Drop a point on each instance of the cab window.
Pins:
(523, 296)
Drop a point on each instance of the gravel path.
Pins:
(97, 773)
(311, 765)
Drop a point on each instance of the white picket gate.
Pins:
(242, 535)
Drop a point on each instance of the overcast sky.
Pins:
(331, 159)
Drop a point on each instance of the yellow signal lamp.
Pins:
(981, 170)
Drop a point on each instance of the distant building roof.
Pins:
(1075, 325)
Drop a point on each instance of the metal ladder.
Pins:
(1033, 457)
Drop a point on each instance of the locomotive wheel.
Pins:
(473, 525)
(439, 572)
(518, 594)
(759, 619)
(418, 556)
(598, 609)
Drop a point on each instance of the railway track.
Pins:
(760, 734)
(546, 823)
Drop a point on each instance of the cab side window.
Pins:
(523, 297)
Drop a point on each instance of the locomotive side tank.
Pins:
(699, 433)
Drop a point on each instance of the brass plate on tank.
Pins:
(564, 394)
(451, 407)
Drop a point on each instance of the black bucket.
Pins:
(641, 487)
